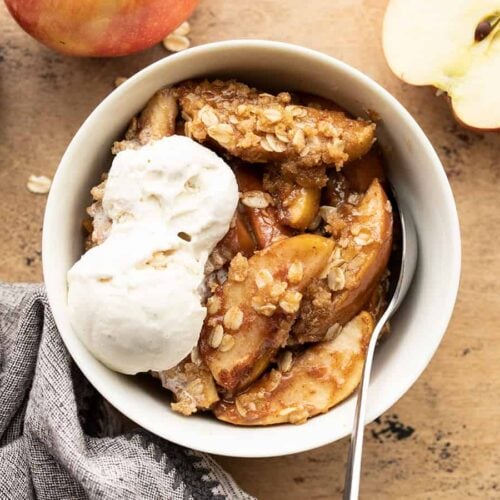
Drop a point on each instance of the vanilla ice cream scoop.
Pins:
(134, 300)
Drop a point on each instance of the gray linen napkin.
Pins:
(57, 440)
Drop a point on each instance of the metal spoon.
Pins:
(408, 262)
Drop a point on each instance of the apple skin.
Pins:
(100, 28)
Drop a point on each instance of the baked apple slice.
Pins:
(316, 380)
(257, 205)
(192, 385)
(364, 241)
(155, 121)
(297, 205)
(361, 173)
(239, 237)
(300, 207)
(354, 179)
(250, 315)
(263, 128)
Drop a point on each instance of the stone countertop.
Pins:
(441, 439)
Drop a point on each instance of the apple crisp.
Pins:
(294, 288)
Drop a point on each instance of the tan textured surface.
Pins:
(454, 449)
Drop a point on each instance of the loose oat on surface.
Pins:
(176, 42)
(290, 302)
(263, 307)
(39, 184)
(255, 199)
(285, 361)
(183, 29)
(295, 272)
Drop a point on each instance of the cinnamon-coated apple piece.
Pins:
(192, 385)
(250, 315)
(246, 244)
(257, 205)
(297, 206)
(360, 173)
(355, 178)
(239, 237)
(300, 207)
(363, 232)
(305, 385)
(155, 121)
(453, 45)
(263, 128)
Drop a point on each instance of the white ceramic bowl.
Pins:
(414, 169)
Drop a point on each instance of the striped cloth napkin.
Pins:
(60, 440)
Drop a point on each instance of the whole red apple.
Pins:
(100, 27)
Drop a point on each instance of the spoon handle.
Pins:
(353, 468)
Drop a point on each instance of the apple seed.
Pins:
(484, 28)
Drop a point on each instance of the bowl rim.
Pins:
(314, 440)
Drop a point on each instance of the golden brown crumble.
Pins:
(295, 272)
(216, 336)
(233, 318)
(192, 384)
(263, 128)
(290, 303)
(227, 343)
(255, 199)
(213, 304)
(238, 269)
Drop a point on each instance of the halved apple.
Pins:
(318, 379)
(453, 45)
(357, 264)
(250, 315)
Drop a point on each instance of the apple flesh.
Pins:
(100, 28)
(453, 45)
